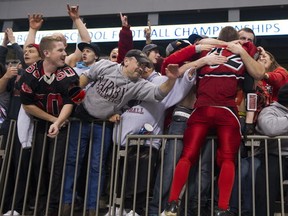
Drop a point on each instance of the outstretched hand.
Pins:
(73, 11)
(147, 31)
(5, 41)
(35, 21)
(172, 71)
(215, 59)
(10, 35)
(124, 20)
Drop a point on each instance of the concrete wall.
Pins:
(16, 9)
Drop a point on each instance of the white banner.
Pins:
(166, 32)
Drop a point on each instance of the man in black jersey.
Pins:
(45, 95)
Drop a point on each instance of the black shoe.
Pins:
(219, 212)
(172, 209)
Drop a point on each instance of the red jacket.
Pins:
(125, 43)
(276, 80)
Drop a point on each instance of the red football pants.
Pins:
(227, 127)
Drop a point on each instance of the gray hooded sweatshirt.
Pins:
(153, 112)
(273, 121)
(111, 90)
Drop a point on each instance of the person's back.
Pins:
(206, 116)
(211, 90)
(177, 125)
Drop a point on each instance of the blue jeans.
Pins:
(95, 159)
(177, 127)
(246, 186)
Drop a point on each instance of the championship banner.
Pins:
(166, 32)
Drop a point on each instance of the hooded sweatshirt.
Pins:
(112, 90)
(273, 121)
(153, 112)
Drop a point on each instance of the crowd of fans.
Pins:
(68, 109)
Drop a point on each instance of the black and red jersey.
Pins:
(48, 93)
(217, 84)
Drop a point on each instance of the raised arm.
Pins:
(35, 23)
(212, 41)
(147, 33)
(73, 12)
(4, 49)
(211, 59)
(125, 42)
(15, 45)
(181, 56)
(254, 68)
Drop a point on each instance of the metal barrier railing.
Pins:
(126, 185)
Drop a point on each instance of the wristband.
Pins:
(76, 94)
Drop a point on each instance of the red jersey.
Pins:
(217, 84)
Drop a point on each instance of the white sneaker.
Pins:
(9, 213)
(131, 213)
(117, 212)
(163, 213)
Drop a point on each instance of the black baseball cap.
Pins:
(176, 45)
(92, 46)
(194, 37)
(140, 56)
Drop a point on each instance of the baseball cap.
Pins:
(149, 47)
(35, 46)
(92, 46)
(140, 56)
(193, 37)
(176, 45)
